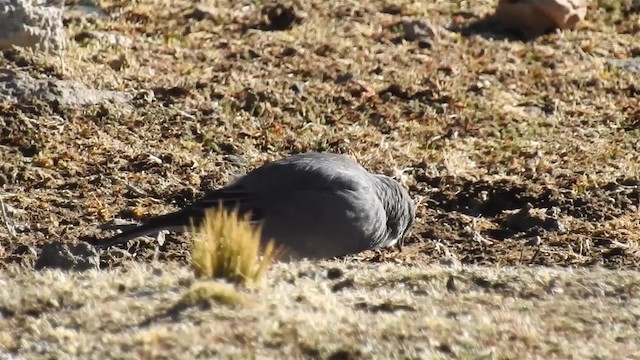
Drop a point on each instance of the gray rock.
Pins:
(57, 255)
(631, 65)
(415, 30)
(33, 24)
(19, 86)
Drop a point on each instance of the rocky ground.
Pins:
(517, 152)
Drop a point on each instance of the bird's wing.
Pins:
(262, 187)
(235, 197)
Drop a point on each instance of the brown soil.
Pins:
(499, 140)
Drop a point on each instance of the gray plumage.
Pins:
(316, 205)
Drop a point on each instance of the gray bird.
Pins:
(315, 205)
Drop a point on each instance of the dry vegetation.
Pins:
(477, 126)
(325, 310)
(227, 246)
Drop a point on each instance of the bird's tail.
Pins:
(233, 197)
(178, 221)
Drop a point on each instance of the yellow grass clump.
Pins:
(227, 246)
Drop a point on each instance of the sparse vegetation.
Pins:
(391, 310)
(203, 292)
(478, 127)
(227, 246)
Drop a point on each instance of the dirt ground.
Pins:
(516, 152)
(497, 139)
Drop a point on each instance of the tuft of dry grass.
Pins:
(227, 246)
(203, 292)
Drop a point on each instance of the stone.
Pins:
(16, 85)
(57, 255)
(631, 65)
(415, 30)
(536, 17)
(31, 24)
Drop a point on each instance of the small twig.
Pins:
(5, 220)
(185, 114)
(8, 195)
(535, 254)
(135, 190)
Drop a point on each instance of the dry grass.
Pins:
(228, 246)
(374, 311)
(204, 291)
(476, 127)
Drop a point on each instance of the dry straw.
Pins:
(227, 246)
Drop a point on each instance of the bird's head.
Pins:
(399, 208)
